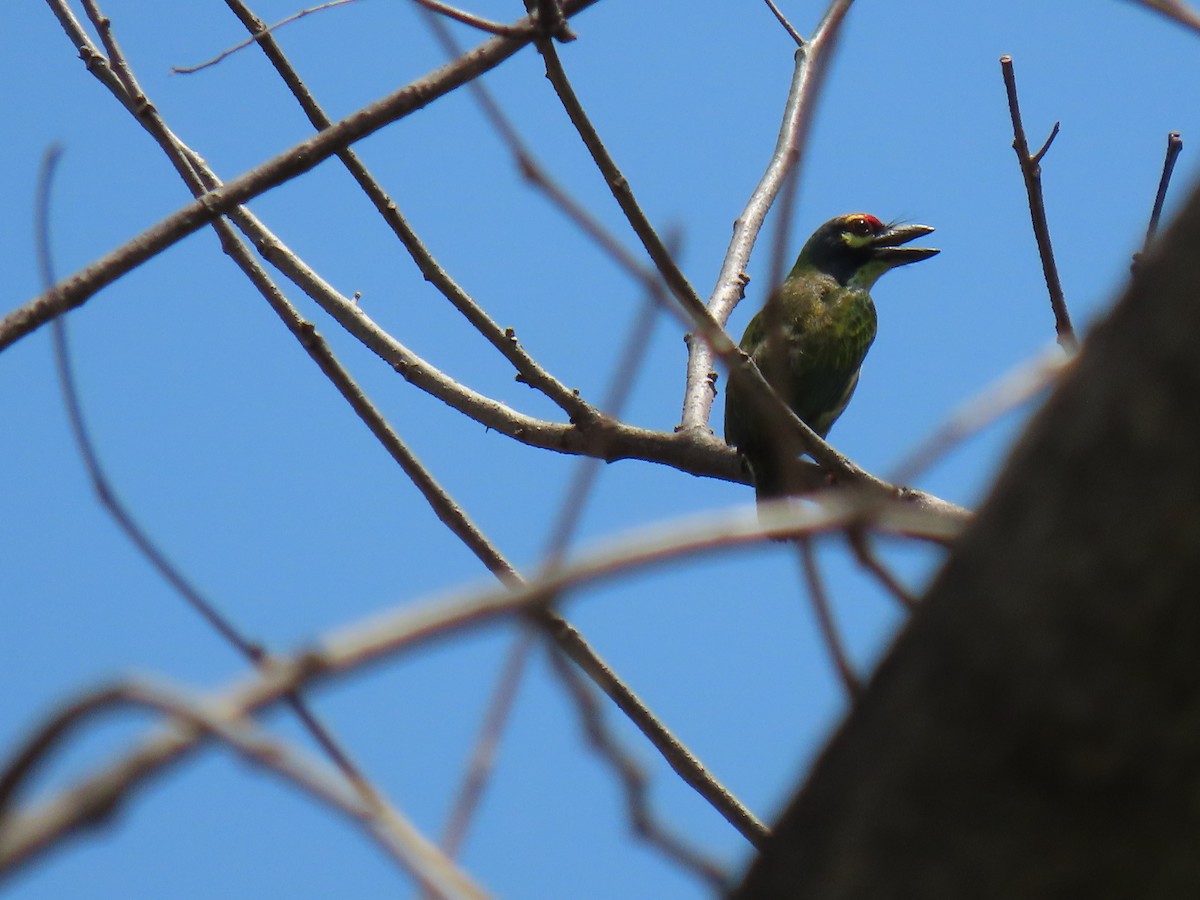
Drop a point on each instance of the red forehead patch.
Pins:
(863, 224)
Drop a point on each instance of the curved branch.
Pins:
(415, 853)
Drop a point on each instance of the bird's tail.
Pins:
(768, 471)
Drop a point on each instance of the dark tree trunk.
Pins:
(1035, 730)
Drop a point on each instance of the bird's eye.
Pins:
(859, 230)
(861, 226)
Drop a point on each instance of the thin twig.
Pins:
(1037, 157)
(828, 628)
(634, 781)
(534, 172)
(788, 27)
(188, 70)
(1174, 148)
(1031, 171)
(657, 250)
(483, 756)
(860, 543)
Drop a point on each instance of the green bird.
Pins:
(824, 322)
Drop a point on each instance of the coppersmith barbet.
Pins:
(824, 323)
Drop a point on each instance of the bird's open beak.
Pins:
(888, 249)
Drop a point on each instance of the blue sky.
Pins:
(259, 482)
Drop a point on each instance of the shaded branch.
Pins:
(632, 779)
(861, 545)
(819, 598)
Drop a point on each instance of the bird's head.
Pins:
(858, 248)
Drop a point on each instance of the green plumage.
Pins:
(824, 322)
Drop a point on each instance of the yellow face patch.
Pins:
(861, 229)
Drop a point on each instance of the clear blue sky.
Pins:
(257, 479)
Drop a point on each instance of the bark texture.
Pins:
(1035, 730)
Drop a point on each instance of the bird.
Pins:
(810, 339)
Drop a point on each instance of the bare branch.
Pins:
(657, 250)
(483, 757)
(504, 340)
(1037, 157)
(1031, 171)
(295, 161)
(812, 62)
